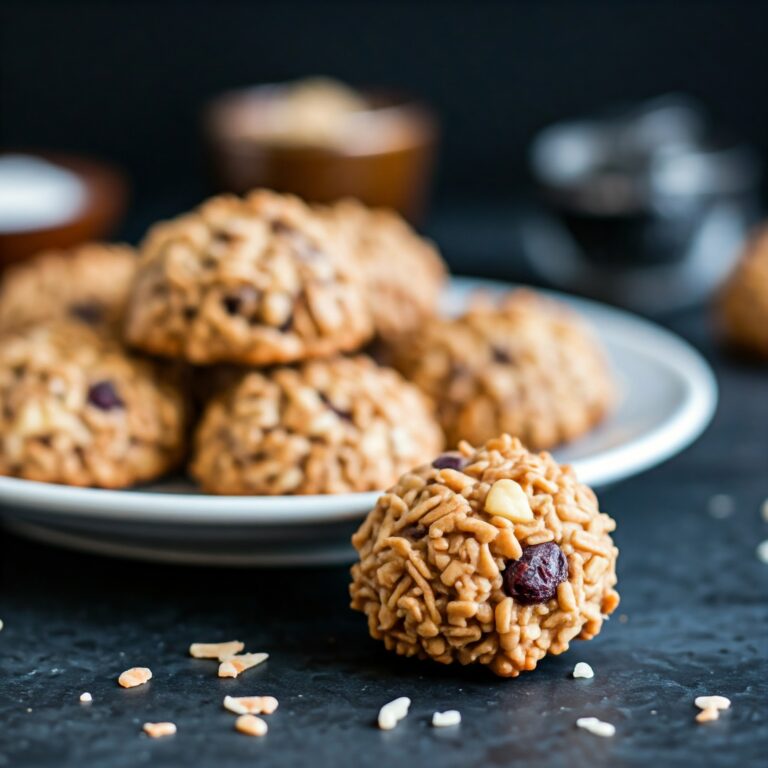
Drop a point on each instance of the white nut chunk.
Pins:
(391, 714)
(135, 676)
(250, 705)
(251, 725)
(234, 665)
(445, 719)
(158, 730)
(220, 651)
(582, 669)
(508, 499)
(596, 726)
(714, 702)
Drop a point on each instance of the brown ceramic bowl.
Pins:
(103, 206)
(389, 166)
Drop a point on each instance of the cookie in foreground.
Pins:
(493, 556)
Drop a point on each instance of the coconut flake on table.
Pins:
(36, 194)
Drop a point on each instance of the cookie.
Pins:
(327, 426)
(491, 556)
(89, 283)
(404, 273)
(743, 305)
(76, 409)
(528, 367)
(256, 280)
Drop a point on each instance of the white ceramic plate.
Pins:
(668, 396)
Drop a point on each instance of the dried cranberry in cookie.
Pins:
(500, 562)
(256, 280)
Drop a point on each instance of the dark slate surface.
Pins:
(693, 620)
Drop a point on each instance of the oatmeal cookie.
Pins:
(255, 280)
(76, 409)
(328, 426)
(89, 283)
(404, 273)
(744, 300)
(527, 367)
(494, 556)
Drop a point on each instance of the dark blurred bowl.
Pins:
(389, 166)
(104, 204)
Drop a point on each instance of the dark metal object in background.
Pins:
(647, 206)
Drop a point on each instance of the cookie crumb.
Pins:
(716, 702)
(582, 669)
(220, 651)
(158, 730)
(762, 551)
(596, 727)
(708, 715)
(391, 714)
(135, 676)
(251, 725)
(234, 665)
(86, 698)
(721, 505)
(251, 705)
(445, 719)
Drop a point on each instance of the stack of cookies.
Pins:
(259, 308)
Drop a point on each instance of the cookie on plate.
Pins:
(744, 300)
(76, 409)
(493, 556)
(256, 280)
(404, 273)
(327, 426)
(527, 366)
(89, 283)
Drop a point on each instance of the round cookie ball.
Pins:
(744, 300)
(76, 409)
(327, 426)
(255, 280)
(528, 367)
(404, 273)
(89, 283)
(494, 556)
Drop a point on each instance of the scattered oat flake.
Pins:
(250, 705)
(721, 505)
(582, 669)
(391, 714)
(762, 551)
(445, 719)
(596, 727)
(234, 665)
(718, 702)
(220, 651)
(135, 676)
(158, 730)
(86, 698)
(251, 725)
(708, 715)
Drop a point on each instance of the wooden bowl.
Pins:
(389, 167)
(102, 208)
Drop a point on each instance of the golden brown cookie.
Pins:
(89, 283)
(404, 272)
(255, 280)
(744, 301)
(493, 556)
(76, 409)
(528, 367)
(327, 426)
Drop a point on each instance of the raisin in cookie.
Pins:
(328, 426)
(527, 367)
(404, 273)
(493, 556)
(89, 283)
(76, 409)
(744, 300)
(255, 280)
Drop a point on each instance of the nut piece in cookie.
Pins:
(743, 306)
(403, 272)
(327, 426)
(76, 409)
(527, 366)
(255, 280)
(443, 575)
(89, 283)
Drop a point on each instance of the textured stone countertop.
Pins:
(693, 620)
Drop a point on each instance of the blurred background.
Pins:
(127, 82)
